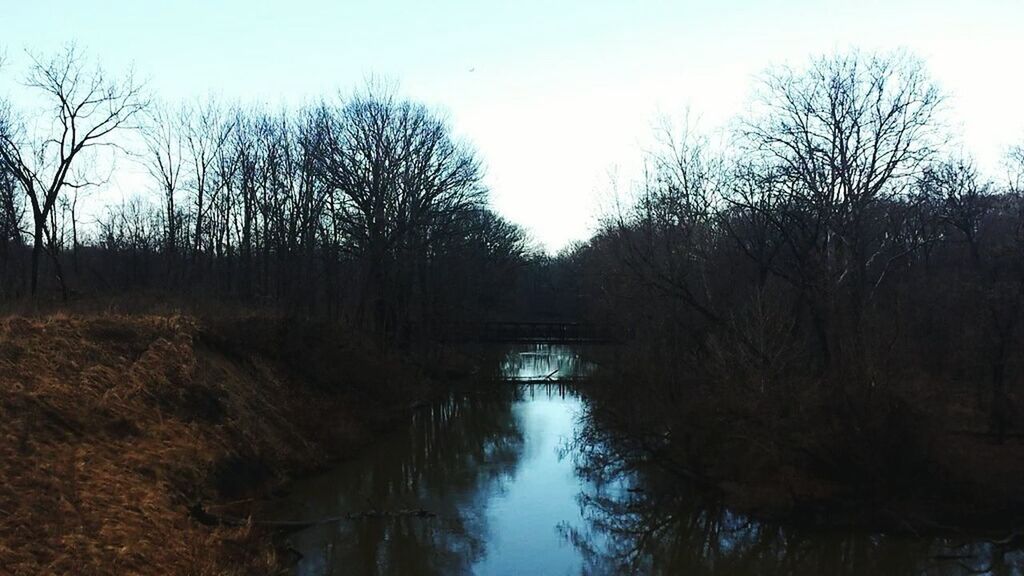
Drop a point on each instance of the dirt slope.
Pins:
(110, 426)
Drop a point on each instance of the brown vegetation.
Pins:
(113, 425)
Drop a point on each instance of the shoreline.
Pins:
(909, 469)
(121, 431)
(116, 426)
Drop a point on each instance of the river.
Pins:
(500, 479)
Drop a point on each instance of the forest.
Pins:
(364, 208)
(827, 308)
(825, 305)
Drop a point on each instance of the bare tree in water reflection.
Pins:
(642, 519)
(453, 456)
(540, 361)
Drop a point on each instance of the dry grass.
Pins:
(112, 425)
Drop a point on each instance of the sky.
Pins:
(559, 97)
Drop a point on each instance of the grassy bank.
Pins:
(112, 426)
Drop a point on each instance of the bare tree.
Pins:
(206, 131)
(845, 136)
(88, 108)
(11, 219)
(1015, 169)
(668, 229)
(399, 178)
(165, 160)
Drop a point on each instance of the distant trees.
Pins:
(982, 229)
(366, 208)
(11, 211)
(164, 159)
(206, 130)
(11, 222)
(1015, 169)
(352, 208)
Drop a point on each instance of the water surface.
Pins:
(508, 484)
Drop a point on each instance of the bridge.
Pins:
(534, 332)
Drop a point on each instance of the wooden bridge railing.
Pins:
(550, 332)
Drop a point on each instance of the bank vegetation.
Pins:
(828, 307)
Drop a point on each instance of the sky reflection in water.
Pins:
(513, 495)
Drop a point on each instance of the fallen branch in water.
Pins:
(540, 380)
(197, 512)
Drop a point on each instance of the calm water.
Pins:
(513, 487)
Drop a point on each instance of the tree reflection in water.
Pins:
(449, 461)
(458, 459)
(484, 461)
(640, 520)
(540, 361)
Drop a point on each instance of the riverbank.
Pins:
(113, 426)
(900, 457)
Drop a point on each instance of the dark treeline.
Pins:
(834, 294)
(365, 209)
(819, 294)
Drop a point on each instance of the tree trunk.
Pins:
(37, 249)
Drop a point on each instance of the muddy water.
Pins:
(501, 480)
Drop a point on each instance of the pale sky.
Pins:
(556, 94)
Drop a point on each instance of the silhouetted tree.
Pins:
(165, 160)
(11, 214)
(206, 131)
(398, 179)
(840, 140)
(88, 108)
